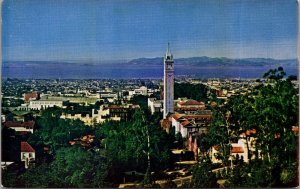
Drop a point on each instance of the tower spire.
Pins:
(168, 53)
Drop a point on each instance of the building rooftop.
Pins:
(19, 124)
(25, 147)
(176, 116)
(190, 102)
(237, 150)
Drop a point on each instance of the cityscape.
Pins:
(169, 115)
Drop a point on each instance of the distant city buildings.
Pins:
(44, 104)
(31, 96)
(96, 101)
(105, 113)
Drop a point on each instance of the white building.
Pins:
(168, 83)
(187, 124)
(191, 104)
(240, 148)
(43, 104)
(27, 154)
(20, 126)
(154, 105)
(97, 116)
(141, 91)
(3, 118)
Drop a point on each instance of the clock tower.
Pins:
(168, 83)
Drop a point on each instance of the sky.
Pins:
(100, 30)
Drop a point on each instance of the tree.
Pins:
(56, 132)
(204, 144)
(276, 108)
(243, 116)
(218, 135)
(9, 178)
(271, 109)
(140, 100)
(192, 91)
(179, 140)
(136, 145)
(38, 177)
(75, 167)
(203, 177)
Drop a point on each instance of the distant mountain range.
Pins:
(207, 61)
(202, 67)
(198, 62)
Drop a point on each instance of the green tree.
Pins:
(75, 167)
(55, 132)
(140, 100)
(10, 179)
(203, 177)
(276, 109)
(192, 91)
(38, 177)
(128, 147)
(218, 135)
(179, 140)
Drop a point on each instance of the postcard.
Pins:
(149, 94)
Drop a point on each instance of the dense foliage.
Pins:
(72, 167)
(55, 132)
(192, 91)
(203, 177)
(141, 100)
(141, 145)
(118, 147)
(271, 109)
(127, 147)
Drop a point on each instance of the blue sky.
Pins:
(97, 30)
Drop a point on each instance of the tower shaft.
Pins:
(168, 83)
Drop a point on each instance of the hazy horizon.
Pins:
(128, 60)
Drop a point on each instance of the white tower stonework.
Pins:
(168, 83)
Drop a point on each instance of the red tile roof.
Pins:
(189, 109)
(23, 132)
(25, 147)
(197, 116)
(252, 131)
(165, 123)
(249, 132)
(190, 102)
(217, 147)
(19, 124)
(213, 104)
(176, 116)
(277, 135)
(295, 129)
(115, 107)
(28, 96)
(237, 150)
(185, 123)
